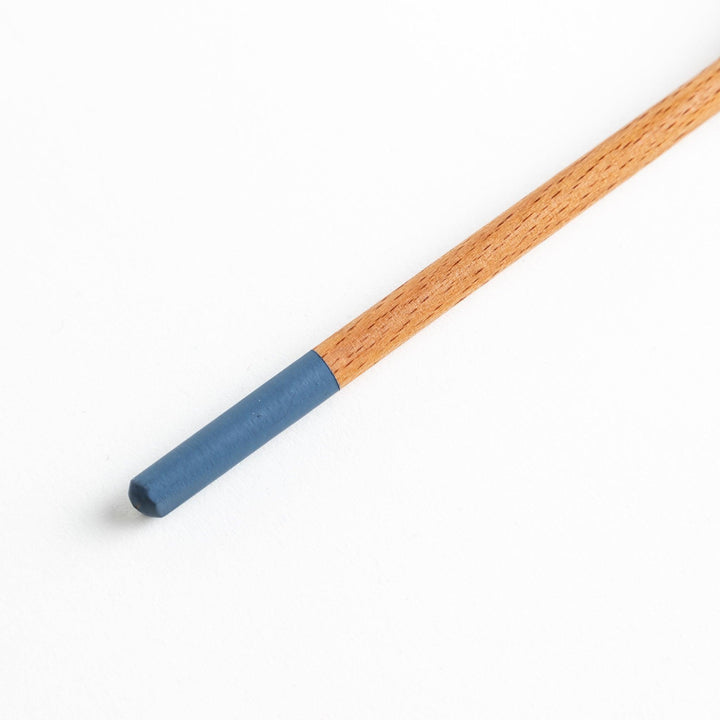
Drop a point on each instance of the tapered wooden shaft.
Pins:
(319, 374)
(440, 286)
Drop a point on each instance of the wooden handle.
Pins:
(385, 326)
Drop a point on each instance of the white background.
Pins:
(513, 516)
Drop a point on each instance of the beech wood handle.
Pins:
(440, 286)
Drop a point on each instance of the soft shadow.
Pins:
(120, 513)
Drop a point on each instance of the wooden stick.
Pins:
(434, 290)
(358, 346)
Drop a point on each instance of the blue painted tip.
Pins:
(141, 500)
(233, 436)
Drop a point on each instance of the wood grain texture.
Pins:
(451, 278)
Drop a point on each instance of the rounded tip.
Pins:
(141, 501)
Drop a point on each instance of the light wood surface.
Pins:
(451, 278)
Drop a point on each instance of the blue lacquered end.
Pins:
(233, 436)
